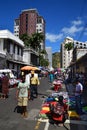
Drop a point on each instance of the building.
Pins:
(49, 52)
(66, 56)
(30, 22)
(16, 27)
(31, 56)
(11, 51)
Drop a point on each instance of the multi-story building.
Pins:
(30, 22)
(49, 52)
(11, 51)
(16, 27)
(68, 56)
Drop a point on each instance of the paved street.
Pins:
(10, 120)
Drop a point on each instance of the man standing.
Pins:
(78, 97)
(34, 82)
(23, 93)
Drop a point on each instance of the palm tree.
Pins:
(43, 52)
(69, 46)
(36, 39)
(25, 38)
(32, 41)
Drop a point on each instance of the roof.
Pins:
(9, 35)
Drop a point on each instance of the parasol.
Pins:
(27, 68)
(30, 68)
(35, 68)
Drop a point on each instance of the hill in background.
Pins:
(56, 60)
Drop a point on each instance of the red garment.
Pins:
(57, 87)
(5, 85)
(60, 118)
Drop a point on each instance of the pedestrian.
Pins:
(5, 85)
(34, 82)
(51, 77)
(78, 97)
(22, 94)
(27, 78)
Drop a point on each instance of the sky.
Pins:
(64, 18)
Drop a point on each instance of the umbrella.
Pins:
(27, 68)
(35, 68)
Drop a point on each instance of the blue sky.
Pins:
(63, 18)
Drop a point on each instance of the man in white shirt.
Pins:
(78, 97)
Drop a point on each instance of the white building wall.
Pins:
(16, 30)
(66, 55)
(5, 34)
(1, 45)
(81, 52)
(26, 57)
(49, 52)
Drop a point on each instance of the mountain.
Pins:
(56, 60)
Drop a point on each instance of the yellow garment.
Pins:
(32, 72)
(46, 108)
(35, 80)
(73, 114)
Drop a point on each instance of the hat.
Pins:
(32, 72)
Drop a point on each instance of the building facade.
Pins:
(11, 51)
(49, 52)
(30, 22)
(66, 56)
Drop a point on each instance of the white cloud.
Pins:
(75, 28)
(72, 30)
(76, 22)
(53, 37)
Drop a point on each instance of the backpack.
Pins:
(57, 109)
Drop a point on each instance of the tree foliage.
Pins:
(56, 59)
(25, 38)
(32, 41)
(43, 62)
(69, 46)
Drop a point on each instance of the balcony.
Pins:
(14, 57)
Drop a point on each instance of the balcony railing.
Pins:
(14, 57)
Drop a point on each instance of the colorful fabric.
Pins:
(73, 114)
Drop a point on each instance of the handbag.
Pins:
(18, 109)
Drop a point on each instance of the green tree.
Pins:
(32, 41)
(43, 62)
(25, 38)
(43, 51)
(56, 59)
(69, 46)
(36, 39)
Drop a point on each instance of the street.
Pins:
(10, 120)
